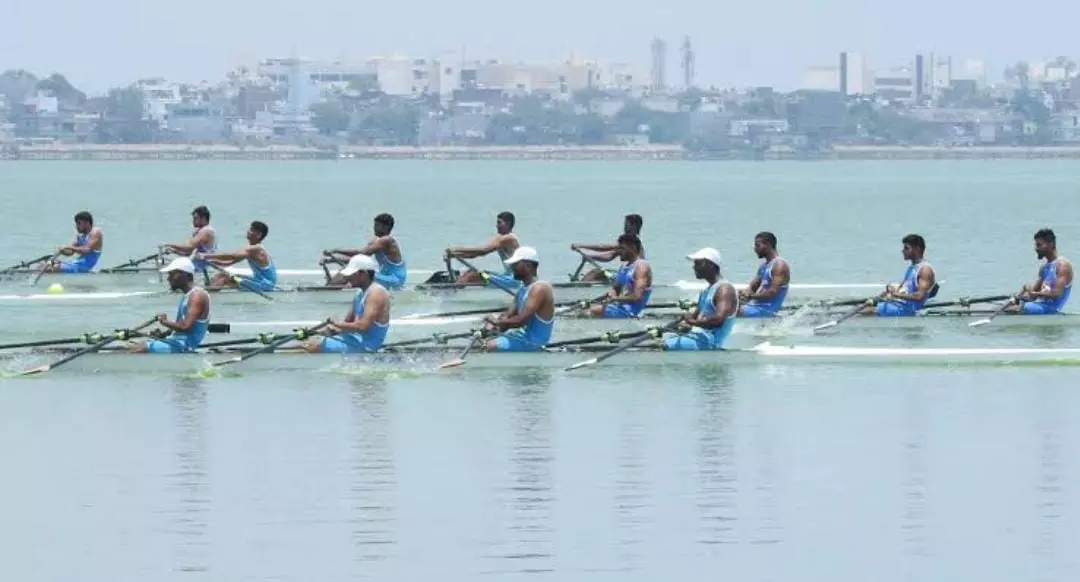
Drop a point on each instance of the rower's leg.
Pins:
(596, 310)
(595, 276)
(470, 277)
(223, 280)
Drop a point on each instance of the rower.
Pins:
(192, 316)
(605, 253)
(709, 326)
(633, 283)
(203, 239)
(89, 241)
(919, 283)
(263, 272)
(505, 243)
(365, 325)
(531, 317)
(386, 251)
(1050, 291)
(765, 294)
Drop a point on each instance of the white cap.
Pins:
(523, 254)
(708, 254)
(359, 263)
(180, 264)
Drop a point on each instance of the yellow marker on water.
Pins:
(55, 289)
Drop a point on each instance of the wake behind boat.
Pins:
(426, 358)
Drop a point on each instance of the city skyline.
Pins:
(112, 42)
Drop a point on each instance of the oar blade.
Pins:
(980, 323)
(826, 326)
(456, 362)
(34, 371)
(233, 360)
(581, 364)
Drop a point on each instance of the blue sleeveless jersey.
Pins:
(765, 275)
(911, 283)
(84, 263)
(391, 275)
(1049, 277)
(358, 341)
(625, 280)
(193, 339)
(207, 249)
(534, 335)
(705, 339)
(263, 278)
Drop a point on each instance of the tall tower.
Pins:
(687, 63)
(659, 64)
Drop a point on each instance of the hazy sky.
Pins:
(109, 42)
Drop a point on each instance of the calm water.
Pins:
(773, 472)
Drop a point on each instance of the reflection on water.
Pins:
(716, 464)
(188, 482)
(526, 497)
(913, 522)
(373, 482)
(632, 490)
(1050, 492)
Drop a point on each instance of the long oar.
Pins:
(478, 336)
(27, 263)
(646, 336)
(564, 305)
(90, 338)
(999, 311)
(119, 335)
(44, 267)
(485, 276)
(966, 301)
(240, 281)
(611, 337)
(132, 263)
(855, 311)
(592, 261)
(437, 338)
(299, 334)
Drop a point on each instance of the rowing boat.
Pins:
(814, 318)
(427, 358)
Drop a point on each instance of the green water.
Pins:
(770, 472)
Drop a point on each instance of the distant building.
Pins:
(821, 79)
(853, 75)
(895, 84)
(659, 64)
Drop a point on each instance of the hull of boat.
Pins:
(429, 359)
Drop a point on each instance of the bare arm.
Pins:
(474, 252)
(642, 281)
(537, 297)
(381, 243)
(1064, 278)
(198, 308)
(201, 239)
(248, 252)
(780, 276)
(724, 300)
(923, 285)
(93, 243)
(373, 306)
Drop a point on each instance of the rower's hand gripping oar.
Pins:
(299, 334)
(44, 267)
(652, 333)
(852, 313)
(119, 335)
(485, 276)
(587, 259)
(986, 320)
(240, 281)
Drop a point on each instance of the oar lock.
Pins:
(687, 304)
